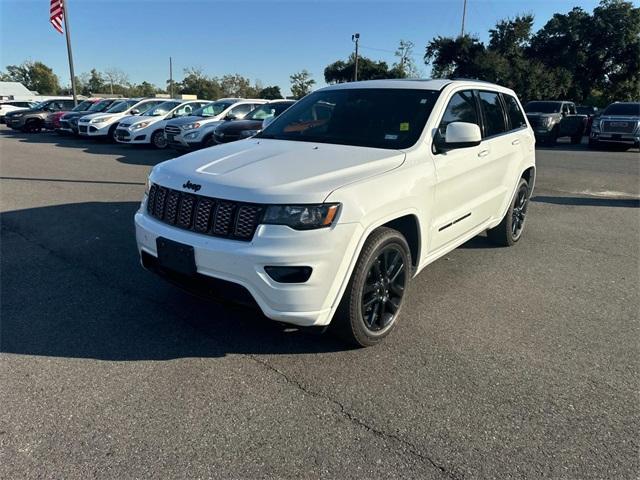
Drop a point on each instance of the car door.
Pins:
(459, 172)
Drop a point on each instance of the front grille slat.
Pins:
(618, 126)
(210, 216)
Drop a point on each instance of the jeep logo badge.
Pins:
(192, 186)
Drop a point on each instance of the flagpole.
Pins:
(65, 14)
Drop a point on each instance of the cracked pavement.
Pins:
(507, 363)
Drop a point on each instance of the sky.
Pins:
(266, 41)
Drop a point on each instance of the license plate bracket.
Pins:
(176, 256)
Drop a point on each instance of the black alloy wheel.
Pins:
(519, 213)
(383, 289)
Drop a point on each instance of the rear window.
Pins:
(625, 109)
(543, 107)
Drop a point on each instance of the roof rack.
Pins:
(471, 80)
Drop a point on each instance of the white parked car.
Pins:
(329, 212)
(196, 131)
(14, 105)
(149, 128)
(103, 125)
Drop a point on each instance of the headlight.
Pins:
(138, 126)
(302, 217)
(147, 186)
(248, 133)
(547, 121)
(101, 120)
(190, 126)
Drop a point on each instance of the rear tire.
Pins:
(510, 229)
(376, 291)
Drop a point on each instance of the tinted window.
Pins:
(369, 117)
(241, 110)
(542, 107)
(461, 108)
(631, 109)
(493, 114)
(212, 109)
(515, 114)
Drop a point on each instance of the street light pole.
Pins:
(355, 38)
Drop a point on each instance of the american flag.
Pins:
(56, 11)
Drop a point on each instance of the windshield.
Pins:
(624, 109)
(162, 109)
(39, 106)
(121, 107)
(542, 107)
(267, 110)
(82, 106)
(585, 110)
(212, 110)
(100, 106)
(368, 117)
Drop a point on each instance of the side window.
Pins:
(241, 110)
(493, 114)
(184, 110)
(572, 109)
(516, 117)
(565, 109)
(461, 108)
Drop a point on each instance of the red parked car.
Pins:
(53, 120)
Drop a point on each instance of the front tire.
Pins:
(158, 140)
(510, 229)
(372, 302)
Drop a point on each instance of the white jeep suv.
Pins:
(327, 214)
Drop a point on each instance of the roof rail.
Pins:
(471, 80)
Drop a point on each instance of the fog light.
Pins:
(289, 274)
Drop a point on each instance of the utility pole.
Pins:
(355, 38)
(464, 15)
(170, 77)
(68, 35)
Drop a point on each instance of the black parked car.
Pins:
(252, 123)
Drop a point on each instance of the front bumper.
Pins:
(86, 129)
(620, 138)
(125, 135)
(15, 123)
(189, 140)
(312, 303)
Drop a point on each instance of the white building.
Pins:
(16, 91)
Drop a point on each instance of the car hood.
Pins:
(275, 171)
(24, 111)
(102, 115)
(141, 118)
(190, 119)
(620, 118)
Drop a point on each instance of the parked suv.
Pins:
(552, 120)
(103, 125)
(618, 125)
(33, 120)
(196, 131)
(329, 212)
(13, 106)
(52, 122)
(69, 121)
(251, 124)
(149, 128)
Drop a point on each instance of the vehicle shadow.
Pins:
(72, 286)
(588, 201)
(128, 154)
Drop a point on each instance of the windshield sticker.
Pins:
(404, 127)
(390, 136)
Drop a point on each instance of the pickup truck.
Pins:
(618, 126)
(551, 120)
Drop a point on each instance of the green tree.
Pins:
(36, 76)
(341, 71)
(301, 83)
(92, 82)
(144, 89)
(405, 66)
(270, 93)
(195, 82)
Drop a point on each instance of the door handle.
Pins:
(516, 142)
(483, 153)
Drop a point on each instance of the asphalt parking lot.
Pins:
(507, 363)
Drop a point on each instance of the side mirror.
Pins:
(462, 135)
(135, 111)
(268, 121)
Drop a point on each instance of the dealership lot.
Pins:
(518, 362)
